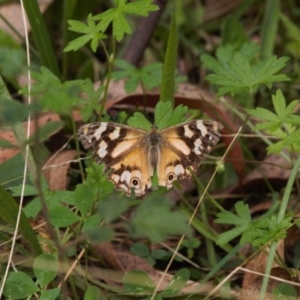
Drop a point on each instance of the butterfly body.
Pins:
(132, 154)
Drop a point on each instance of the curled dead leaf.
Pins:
(56, 169)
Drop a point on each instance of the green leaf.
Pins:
(84, 198)
(92, 293)
(62, 216)
(45, 268)
(29, 190)
(263, 113)
(178, 282)
(284, 291)
(116, 16)
(149, 75)
(138, 120)
(279, 104)
(19, 285)
(91, 33)
(137, 282)
(50, 294)
(99, 235)
(93, 95)
(112, 208)
(140, 249)
(155, 219)
(99, 181)
(9, 212)
(166, 116)
(54, 95)
(162, 113)
(241, 74)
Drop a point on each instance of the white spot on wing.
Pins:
(179, 170)
(115, 178)
(102, 149)
(198, 145)
(202, 128)
(187, 131)
(124, 187)
(115, 134)
(125, 176)
(100, 130)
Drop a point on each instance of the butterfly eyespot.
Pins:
(171, 177)
(135, 182)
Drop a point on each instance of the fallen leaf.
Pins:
(8, 135)
(258, 263)
(56, 169)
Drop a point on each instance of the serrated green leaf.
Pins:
(45, 268)
(54, 198)
(229, 235)
(90, 31)
(240, 73)
(29, 190)
(116, 15)
(290, 108)
(138, 120)
(84, 198)
(292, 138)
(77, 43)
(19, 285)
(62, 216)
(263, 113)
(279, 103)
(243, 211)
(162, 113)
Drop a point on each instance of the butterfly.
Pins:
(132, 154)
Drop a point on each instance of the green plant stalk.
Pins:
(167, 89)
(68, 10)
(280, 217)
(41, 36)
(269, 27)
(211, 253)
(110, 67)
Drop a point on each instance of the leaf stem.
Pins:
(269, 27)
(280, 217)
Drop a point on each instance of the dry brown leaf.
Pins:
(13, 13)
(252, 291)
(217, 8)
(8, 135)
(274, 168)
(56, 169)
(258, 264)
(125, 261)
